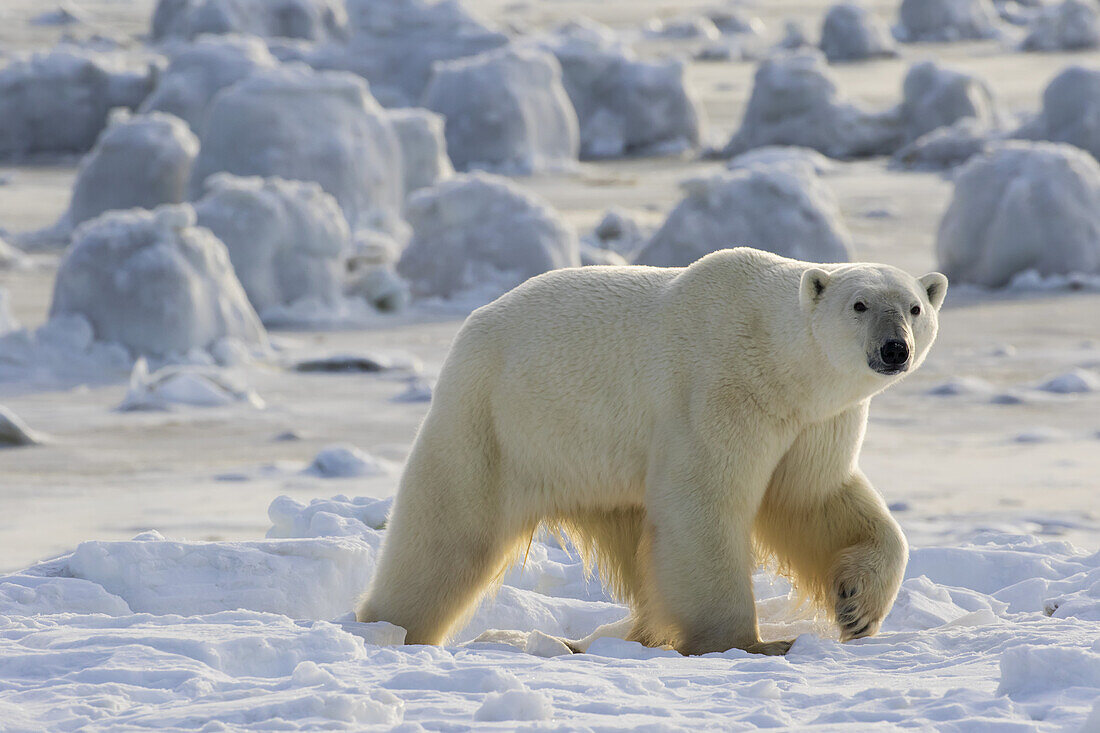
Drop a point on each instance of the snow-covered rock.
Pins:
(286, 239)
(795, 101)
(946, 20)
(945, 147)
(506, 110)
(624, 105)
(395, 43)
(153, 282)
(200, 69)
(781, 209)
(934, 96)
(1068, 26)
(482, 231)
(1019, 207)
(186, 385)
(138, 162)
(309, 19)
(299, 124)
(58, 102)
(423, 147)
(850, 32)
(1070, 112)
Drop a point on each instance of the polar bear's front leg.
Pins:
(701, 556)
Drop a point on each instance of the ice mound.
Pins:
(8, 321)
(1022, 206)
(423, 147)
(923, 604)
(684, 27)
(58, 102)
(312, 20)
(286, 239)
(199, 70)
(521, 704)
(1068, 26)
(934, 96)
(395, 43)
(624, 106)
(155, 283)
(783, 156)
(190, 385)
(481, 231)
(378, 285)
(946, 20)
(335, 517)
(945, 147)
(13, 431)
(299, 124)
(795, 101)
(852, 33)
(620, 231)
(1077, 381)
(344, 461)
(506, 110)
(1070, 112)
(781, 209)
(141, 161)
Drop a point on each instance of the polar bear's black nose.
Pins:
(894, 352)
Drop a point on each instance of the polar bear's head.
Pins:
(873, 319)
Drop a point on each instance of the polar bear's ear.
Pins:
(935, 284)
(813, 285)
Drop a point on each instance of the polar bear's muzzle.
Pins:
(892, 358)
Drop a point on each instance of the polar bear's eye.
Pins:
(915, 310)
(860, 306)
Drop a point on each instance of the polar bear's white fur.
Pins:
(676, 423)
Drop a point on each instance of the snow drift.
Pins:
(423, 147)
(395, 43)
(1068, 26)
(782, 209)
(1020, 207)
(624, 106)
(287, 240)
(58, 102)
(199, 70)
(506, 111)
(155, 283)
(138, 162)
(300, 124)
(312, 20)
(850, 32)
(1070, 112)
(946, 20)
(481, 231)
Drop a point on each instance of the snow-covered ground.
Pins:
(152, 574)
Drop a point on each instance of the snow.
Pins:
(154, 283)
(299, 124)
(13, 431)
(58, 102)
(139, 161)
(1077, 381)
(624, 106)
(200, 69)
(481, 230)
(1022, 206)
(506, 111)
(850, 32)
(8, 321)
(795, 101)
(189, 385)
(309, 19)
(1070, 25)
(423, 147)
(287, 240)
(784, 209)
(395, 43)
(1070, 111)
(946, 20)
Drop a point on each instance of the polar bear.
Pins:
(679, 425)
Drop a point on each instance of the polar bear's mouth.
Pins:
(887, 370)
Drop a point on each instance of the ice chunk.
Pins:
(190, 385)
(344, 461)
(933, 96)
(1070, 112)
(309, 19)
(138, 162)
(1067, 26)
(850, 32)
(1019, 207)
(13, 431)
(781, 209)
(482, 230)
(515, 705)
(1077, 381)
(946, 20)
(423, 147)
(506, 110)
(299, 124)
(155, 283)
